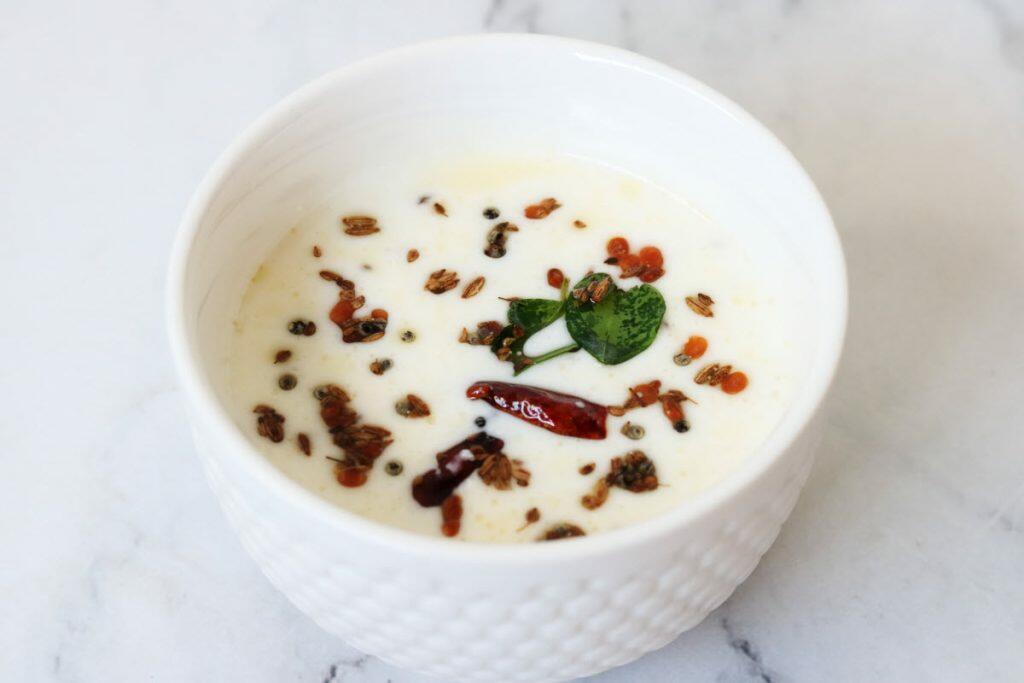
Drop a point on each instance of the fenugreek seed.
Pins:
(424, 199)
(316, 251)
(681, 359)
(473, 288)
(439, 209)
(304, 444)
(282, 356)
(287, 381)
(394, 468)
(587, 469)
(633, 431)
(408, 336)
(490, 213)
(412, 255)
(579, 224)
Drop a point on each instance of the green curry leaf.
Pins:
(621, 325)
(527, 317)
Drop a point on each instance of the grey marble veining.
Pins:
(903, 558)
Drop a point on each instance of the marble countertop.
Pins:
(903, 560)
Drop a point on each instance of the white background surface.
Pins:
(904, 559)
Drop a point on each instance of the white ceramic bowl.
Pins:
(474, 612)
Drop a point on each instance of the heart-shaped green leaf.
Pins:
(526, 317)
(533, 315)
(619, 326)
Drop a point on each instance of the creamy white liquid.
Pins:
(750, 330)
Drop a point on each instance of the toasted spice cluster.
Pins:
(647, 264)
(270, 423)
(354, 329)
(361, 444)
(649, 393)
(634, 472)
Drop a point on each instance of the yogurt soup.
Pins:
(511, 349)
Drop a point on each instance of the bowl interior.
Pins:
(571, 98)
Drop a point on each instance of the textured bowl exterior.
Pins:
(464, 623)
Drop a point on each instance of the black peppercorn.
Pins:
(681, 426)
(480, 422)
(287, 381)
(394, 468)
(490, 213)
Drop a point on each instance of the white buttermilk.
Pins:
(750, 330)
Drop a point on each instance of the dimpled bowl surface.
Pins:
(461, 611)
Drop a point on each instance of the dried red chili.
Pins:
(454, 466)
(554, 411)
(451, 515)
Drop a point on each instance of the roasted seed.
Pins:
(282, 356)
(301, 327)
(424, 199)
(412, 406)
(304, 444)
(587, 469)
(473, 288)
(440, 281)
(560, 531)
(490, 213)
(439, 209)
(408, 336)
(541, 209)
(358, 226)
(701, 304)
(316, 251)
(497, 238)
(287, 381)
(579, 224)
(480, 422)
(394, 468)
(594, 291)
(412, 255)
(633, 431)
(712, 374)
(681, 426)
(380, 366)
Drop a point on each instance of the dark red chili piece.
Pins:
(454, 466)
(556, 412)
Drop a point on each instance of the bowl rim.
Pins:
(206, 407)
